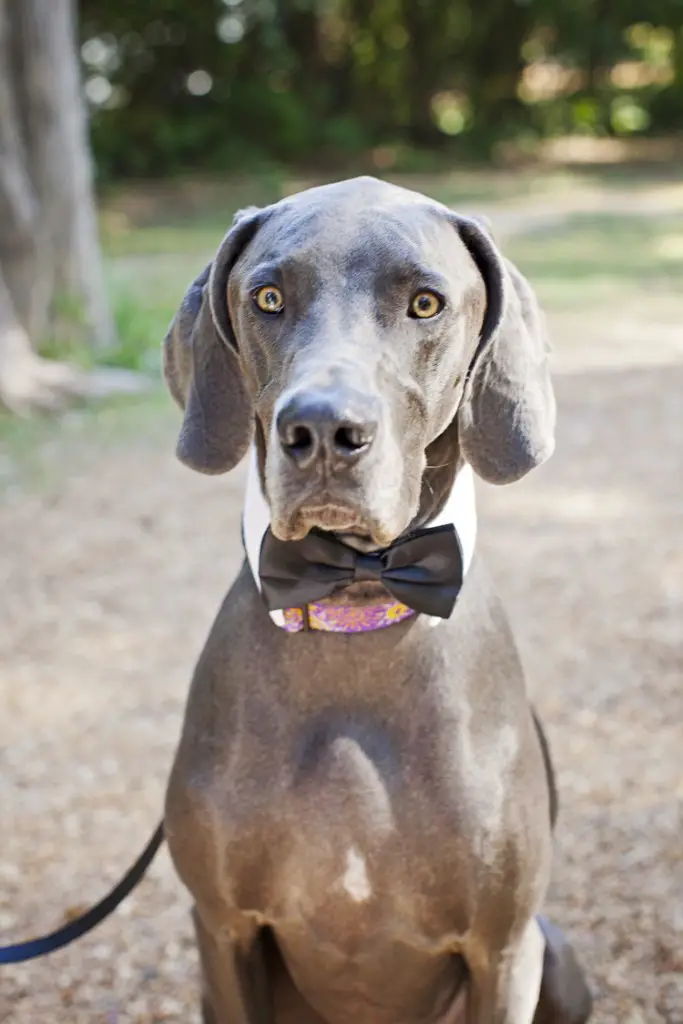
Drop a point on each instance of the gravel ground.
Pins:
(113, 568)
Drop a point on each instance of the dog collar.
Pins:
(327, 615)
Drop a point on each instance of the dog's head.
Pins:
(371, 340)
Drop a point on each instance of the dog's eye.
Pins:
(425, 305)
(269, 299)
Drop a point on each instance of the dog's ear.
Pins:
(202, 366)
(506, 419)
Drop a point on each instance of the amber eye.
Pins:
(425, 305)
(269, 299)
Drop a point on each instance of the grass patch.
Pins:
(592, 259)
(32, 450)
(189, 237)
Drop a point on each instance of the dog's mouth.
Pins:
(363, 542)
(333, 518)
(346, 522)
(346, 525)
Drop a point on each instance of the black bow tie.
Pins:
(424, 571)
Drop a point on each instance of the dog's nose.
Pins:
(323, 427)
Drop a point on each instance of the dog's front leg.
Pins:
(235, 983)
(505, 987)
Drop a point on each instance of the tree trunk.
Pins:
(53, 112)
(48, 228)
(28, 382)
(22, 232)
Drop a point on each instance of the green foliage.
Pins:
(213, 85)
(139, 325)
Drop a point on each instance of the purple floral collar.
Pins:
(329, 617)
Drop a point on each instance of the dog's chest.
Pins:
(356, 826)
(364, 870)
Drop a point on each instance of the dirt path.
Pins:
(112, 572)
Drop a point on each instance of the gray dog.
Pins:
(363, 815)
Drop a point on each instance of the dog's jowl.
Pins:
(362, 801)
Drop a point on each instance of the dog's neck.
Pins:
(355, 610)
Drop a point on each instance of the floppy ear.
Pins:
(202, 367)
(506, 420)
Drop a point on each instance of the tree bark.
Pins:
(53, 111)
(21, 230)
(49, 245)
(28, 382)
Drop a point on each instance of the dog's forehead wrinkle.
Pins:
(376, 239)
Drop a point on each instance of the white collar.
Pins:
(460, 510)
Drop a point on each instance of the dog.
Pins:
(362, 801)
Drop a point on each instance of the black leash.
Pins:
(21, 951)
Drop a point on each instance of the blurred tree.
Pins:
(49, 249)
(180, 85)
